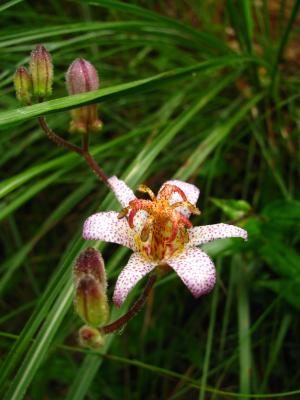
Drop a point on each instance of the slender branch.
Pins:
(85, 142)
(57, 139)
(84, 152)
(95, 167)
(119, 323)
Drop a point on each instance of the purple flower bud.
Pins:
(82, 77)
(90, 337)
(90, 281)
(90, 262)
(23, 85)
(41, 69)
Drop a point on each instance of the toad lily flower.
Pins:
(160, 234)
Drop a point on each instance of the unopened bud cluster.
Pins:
(90, 299)
(37, 82)
(82, 77)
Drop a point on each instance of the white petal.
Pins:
(207, 233)
(191, 192)
(139, 220)
(107, 227)
(136, 268)
(196, 270)
(122, 192)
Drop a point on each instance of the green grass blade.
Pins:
(16, 117)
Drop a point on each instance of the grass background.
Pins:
(204, 91)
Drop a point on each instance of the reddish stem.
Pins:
(134, 309)
(84, 152)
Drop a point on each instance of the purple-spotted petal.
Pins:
(196, 270)
(107, 227)
(122, 192)
(191, 192)
(136, 268)
(204, 234)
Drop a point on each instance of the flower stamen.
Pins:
(168, 190)
(146, 189)
(192, 209)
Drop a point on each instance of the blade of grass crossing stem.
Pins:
(218, 134)
(209, 341)
(243, 326)
(16, 117)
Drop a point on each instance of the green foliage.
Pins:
(201, 91)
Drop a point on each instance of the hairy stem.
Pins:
(84, 152)
(57, 139)
(119, 323)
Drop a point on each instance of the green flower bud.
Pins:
(23, 85)
(90, 300)
(41, 69)
(82, 77)
(90, 337)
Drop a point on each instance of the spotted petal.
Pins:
(136, 268)
(196, 270)
(107, 227)
(122, 192)
(191, 192)
(204, 234)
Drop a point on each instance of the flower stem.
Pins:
(57, 139)
(84, 152)
(134, 309)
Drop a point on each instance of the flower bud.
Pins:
(90, 337)
(91, 302)
(23, 85)
(41, 69)
(90, 262)
(90, 280)
(82, 77)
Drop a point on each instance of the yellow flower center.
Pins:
(164, 233)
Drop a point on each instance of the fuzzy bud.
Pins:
(23, 85)
(41, 69)
(90, 280)
(82, 77)
(90, 337)
(90, 262)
